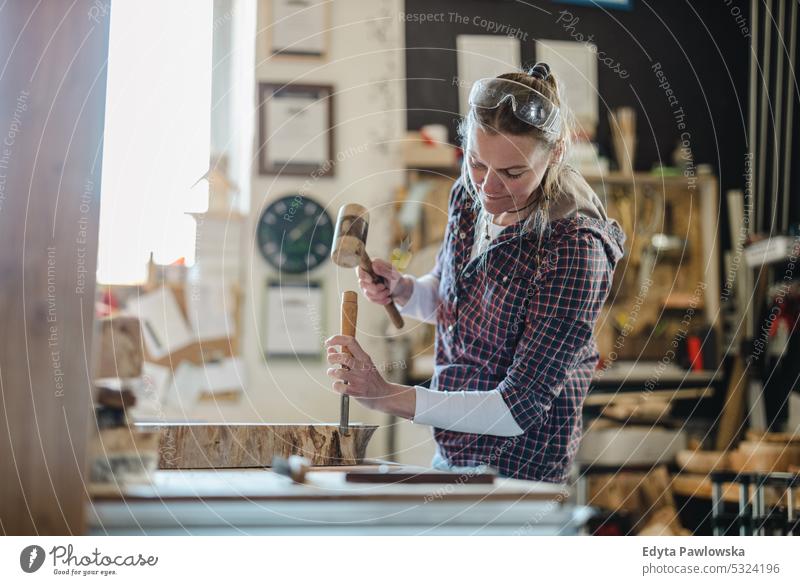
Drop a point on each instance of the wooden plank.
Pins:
(225, 445)
(602, 398)
(52, 103)
(690, 485)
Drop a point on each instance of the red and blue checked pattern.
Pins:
(527, 332)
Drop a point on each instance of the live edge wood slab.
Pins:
(189, 445)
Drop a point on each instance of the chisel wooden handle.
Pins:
(391, 309)
(349, 320)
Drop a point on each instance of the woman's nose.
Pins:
(492, 184)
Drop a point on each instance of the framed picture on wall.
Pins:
(293, 323)
(295, 134)
(298, 28)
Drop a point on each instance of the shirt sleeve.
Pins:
(484, 413)
(424, 300)
(573, 284)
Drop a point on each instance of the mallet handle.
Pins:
(391, 309)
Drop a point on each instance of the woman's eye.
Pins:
(476, 165)
(514, 175)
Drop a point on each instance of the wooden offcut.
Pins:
(120, 348)
(225, 445)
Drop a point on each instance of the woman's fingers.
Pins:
(383, 268)
(351, 344)
(342, 388)
(341, 358)
(379, 290)
(357, 376)
(363, 275)
(381, 298)
(339, 374)
(374, 288)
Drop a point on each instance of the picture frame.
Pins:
(298, 29)
(295, 129)
(293, 319)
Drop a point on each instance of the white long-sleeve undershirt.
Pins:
(482, 412)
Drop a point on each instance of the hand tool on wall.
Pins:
(349, 248)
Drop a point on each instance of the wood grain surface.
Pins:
(213, 446)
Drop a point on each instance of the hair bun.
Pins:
(540, 71)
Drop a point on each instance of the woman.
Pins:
(525, 266)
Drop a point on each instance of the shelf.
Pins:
(647, 179)
(607, 179)
(643, 371)
(448, 171)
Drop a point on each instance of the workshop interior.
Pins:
(200, 201)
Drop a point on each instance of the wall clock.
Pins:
(295, 234)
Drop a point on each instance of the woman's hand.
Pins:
(358, 377)
(396, 287)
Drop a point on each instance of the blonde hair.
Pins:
(502, 120)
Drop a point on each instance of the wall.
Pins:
(366, 67)
(703, 49)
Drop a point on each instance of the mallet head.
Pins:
(350, 236)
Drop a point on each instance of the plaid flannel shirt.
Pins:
(527, 332)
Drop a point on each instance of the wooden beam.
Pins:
(52, 102)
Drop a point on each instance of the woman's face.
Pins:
(505, 169)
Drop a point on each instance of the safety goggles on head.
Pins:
(528, 105)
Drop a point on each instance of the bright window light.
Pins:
(157, 135)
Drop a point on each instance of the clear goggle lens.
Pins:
(528, 105)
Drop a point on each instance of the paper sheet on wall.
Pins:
(575, 66)
(296, 131)
(298, 26)
(211, 308)
(293, 320)
(185, 388)
(227, 375)
(164, 328)
(191, 381)
(482, 56)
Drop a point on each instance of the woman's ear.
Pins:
(557, 154)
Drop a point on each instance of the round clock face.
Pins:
(295, 234)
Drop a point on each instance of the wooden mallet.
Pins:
(349, 248)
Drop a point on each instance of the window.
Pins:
(157, 135)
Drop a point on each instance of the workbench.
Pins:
(258, 501)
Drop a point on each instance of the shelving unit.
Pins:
(701, 268)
